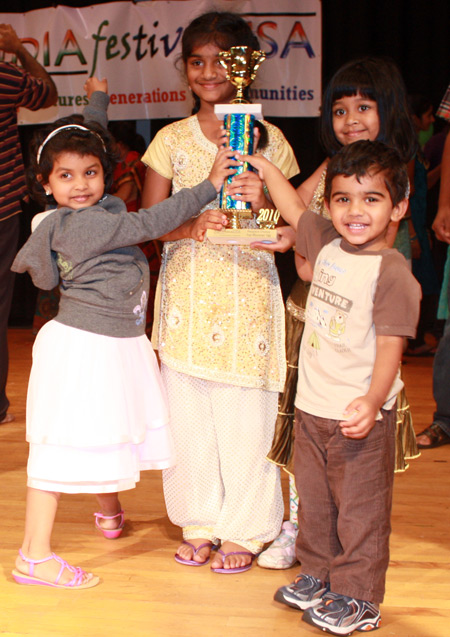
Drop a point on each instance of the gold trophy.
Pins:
(241, 64)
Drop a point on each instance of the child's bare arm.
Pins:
(282, 193)
(303, 267)
(363, 411)
(308, 187)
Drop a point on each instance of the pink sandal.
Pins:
(75, 582)
(111, 534)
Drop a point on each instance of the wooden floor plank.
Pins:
(144, 592)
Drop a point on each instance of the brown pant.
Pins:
(345, 492)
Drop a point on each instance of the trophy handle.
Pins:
(224, 59)
(258, 58)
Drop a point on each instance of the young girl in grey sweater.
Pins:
(96, 410)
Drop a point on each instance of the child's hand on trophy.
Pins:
(225, 165)
(260, 163)
(224, 138)
(248, 187)
(285, 241)
(207, 220)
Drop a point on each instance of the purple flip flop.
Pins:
(180, 560)
(238, 569)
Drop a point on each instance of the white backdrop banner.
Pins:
(136, 47)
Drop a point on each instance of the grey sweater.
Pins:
(104, 276)
(96, 110)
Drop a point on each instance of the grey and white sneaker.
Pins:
(305, 592)
(341, 615)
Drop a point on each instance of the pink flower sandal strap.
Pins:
(77, 580)
(110, 534)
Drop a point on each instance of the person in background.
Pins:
(438, 433)
(128, 182)
(421, 179)
(129, 174)
(28, 86)
(433, 151)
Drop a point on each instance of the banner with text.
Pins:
(136, 47)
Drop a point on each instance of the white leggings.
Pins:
(222, 487)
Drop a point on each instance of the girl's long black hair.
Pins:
(378, 79)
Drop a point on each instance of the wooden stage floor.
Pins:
(144, 592)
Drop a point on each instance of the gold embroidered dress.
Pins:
(221, 314)
(222, 346)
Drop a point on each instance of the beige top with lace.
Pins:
(221, 315)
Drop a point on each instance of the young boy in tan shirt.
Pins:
(362, 303)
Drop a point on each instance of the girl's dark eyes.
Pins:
(89, 173)
(201, 62)
(338, 112)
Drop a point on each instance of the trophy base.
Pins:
(242, 237)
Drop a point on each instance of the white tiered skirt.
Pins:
(96, 412)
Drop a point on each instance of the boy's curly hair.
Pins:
(370, 158)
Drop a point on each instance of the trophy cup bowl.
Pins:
(241, 64)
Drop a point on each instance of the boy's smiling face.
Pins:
(362, 210)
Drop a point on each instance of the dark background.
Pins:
(414, 33)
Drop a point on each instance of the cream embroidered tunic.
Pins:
(221, 315)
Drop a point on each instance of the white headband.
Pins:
(58, 130)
